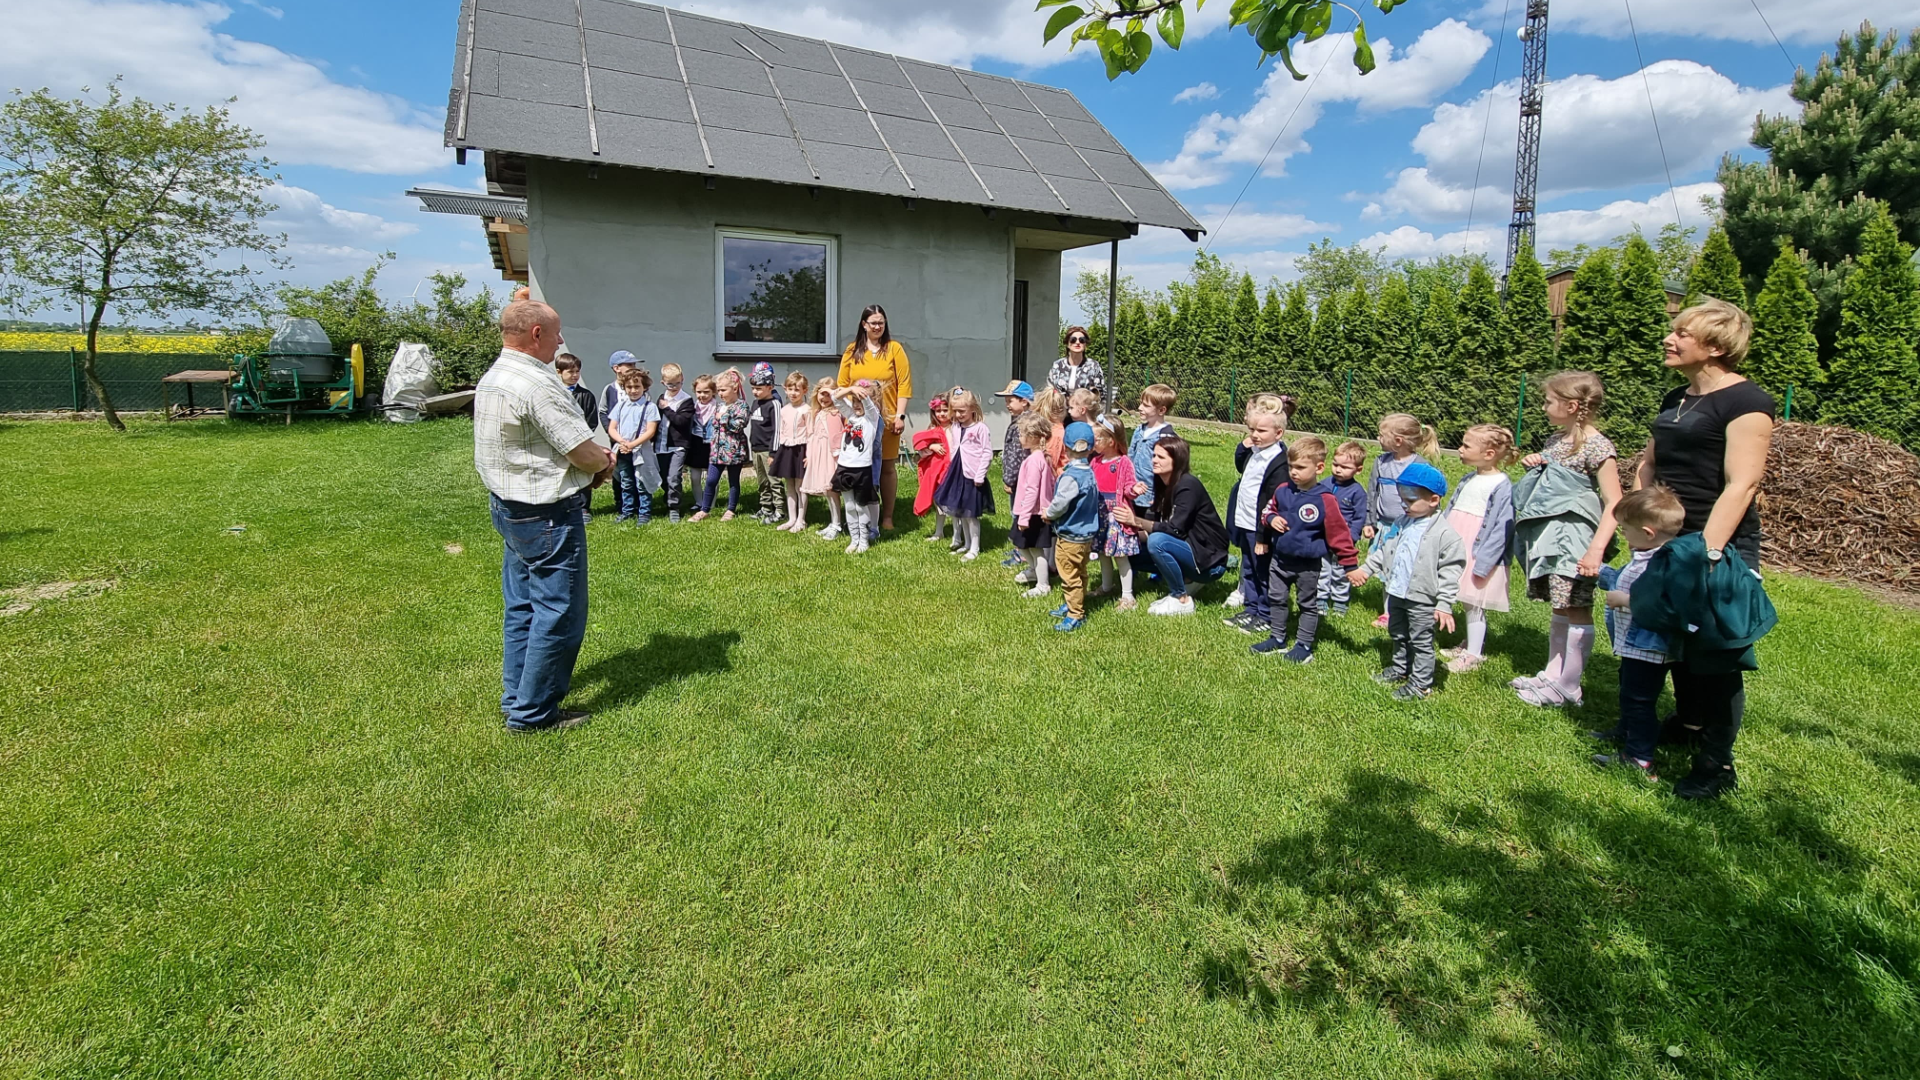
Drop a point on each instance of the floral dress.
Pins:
(1114, 475)
(730, 433)
(1593, 452)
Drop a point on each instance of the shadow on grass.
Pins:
(15, 534)
(1557, 936)
(666, 658)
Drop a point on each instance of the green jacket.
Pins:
(1710, 615)
(1556, 511)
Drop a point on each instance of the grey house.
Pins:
(713, 194)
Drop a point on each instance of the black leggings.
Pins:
(1713, 705)
(713, 486)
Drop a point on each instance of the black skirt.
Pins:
(1036, 534)
(961, 497)
(790, 462)
(856, 481)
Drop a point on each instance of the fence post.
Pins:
(1346, 413)
(1520, 414)
(73, 370)
(1788, 417)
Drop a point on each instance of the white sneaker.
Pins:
(853, 545)
(1235, 599)
(1168, 605)
(1024, 577)
(1037, 592)
(969, 556)
(830, 532)
(860, 546)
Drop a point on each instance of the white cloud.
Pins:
(173, 52)
(1217, 146)
(1554, 228)
(1416, 194)
(1205, 91)
(269, 12)
(1408, 242)
(306, 217)
(1805, 21)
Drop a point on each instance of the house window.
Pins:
(776, 293)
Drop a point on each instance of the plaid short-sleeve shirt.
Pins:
(524, 423)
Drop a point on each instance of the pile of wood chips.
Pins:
(1843, 504)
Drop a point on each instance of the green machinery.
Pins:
(298, 374)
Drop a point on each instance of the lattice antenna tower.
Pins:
(1526, 164)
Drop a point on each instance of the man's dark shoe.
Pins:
(562, 720)
(1708, 780)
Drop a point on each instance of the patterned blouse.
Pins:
(730, 433)
(1067, 378)
(1593, 453)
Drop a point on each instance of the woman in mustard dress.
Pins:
(875, 355)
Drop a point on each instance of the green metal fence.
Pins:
(51, 381)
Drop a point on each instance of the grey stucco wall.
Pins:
(628, 261)
(1041, 271)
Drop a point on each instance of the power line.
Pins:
(1306, 92)
(1473, 196)
(1776, 37)
(1648, 83)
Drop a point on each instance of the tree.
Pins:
(1270, 346)
(1242, 334)
(1360, 341)
(1396, 330)
(1090, 294)
(1296, 330)
(1874, 365)
(1273, 25)
(1432, 373)
(1634, 373)
(1673, 248)
(1480, 390)
(1446, 273)
(1327, 270)
(1716, 273)
(129, 205)
(1587, 335)
(1529, 322)
(1329, 347)
(1784, 353)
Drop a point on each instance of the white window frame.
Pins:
(721, 346)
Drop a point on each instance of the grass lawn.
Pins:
(866, 817)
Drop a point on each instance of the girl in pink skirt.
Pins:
(1482, 513)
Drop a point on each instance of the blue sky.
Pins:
(350, 95)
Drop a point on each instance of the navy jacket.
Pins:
(1276, 472)
(1315, 527)
(1353, 502)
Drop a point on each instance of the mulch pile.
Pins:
(1839, 503)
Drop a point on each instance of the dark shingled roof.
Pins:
(640, 85)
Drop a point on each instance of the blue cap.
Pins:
(622, 356)
(1079, 437)
(1422, 475)
(1018, 389)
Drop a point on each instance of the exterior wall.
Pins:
(1040, 269)
(628, 261)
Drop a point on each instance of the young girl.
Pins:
(824, 429)
(700, 437)
(1113, 475)
(727, 445)
(931, 454)
(1032, 492)
(964, 492)
(1482, 513)
(1573, 480)
(1403, 441)
(859, 446)
(790, 451)
(1052, 404)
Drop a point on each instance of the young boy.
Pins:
(622, 362)
(676, 436)
(763, 425)
(1649, 518)
(1262, 460)
(1013, 451)
(1303, 528)
(1422, 559)
(1348, 460)
(1074, 514)
(633, 424)
(567, 366)
(1156, 401)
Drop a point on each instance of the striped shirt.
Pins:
(524, 423)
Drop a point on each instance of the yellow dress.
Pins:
(889, 369)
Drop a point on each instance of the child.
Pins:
(1572, 484)
(1032, 493)
(567, 366)
(964, 492)
(1052, 404)
(1352, 495)
(1303, 530)
(1422, 559)
(1156, 401)
(1649, 517)
(823, 443)
(676, 437)
(632, 425)
(790, 452)
(726, 444)
(1481, 511)
(1074, 514)
(853, 476)
(622, 362)
(1083, 405)
(706, 406)
(1013, 451)
(931, 455)
(1262, 460)
(1404, 441)
(763, 432)
(1113, 475)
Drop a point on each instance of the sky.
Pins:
(1415, 158)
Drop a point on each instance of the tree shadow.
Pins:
(665, 658)
(1549, 936)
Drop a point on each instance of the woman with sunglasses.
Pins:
(1076, 370)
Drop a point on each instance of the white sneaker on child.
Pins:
(1235, 599)
(1170, 605)
(830, 532)
(1037, 592)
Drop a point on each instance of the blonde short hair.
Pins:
(1308, 448)
(1656, 508)
(1351, 449)
(670, 372)
(1719, 325)
(1160, 396)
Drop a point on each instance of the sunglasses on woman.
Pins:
(1076, 340)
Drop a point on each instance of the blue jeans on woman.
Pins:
(543, 580)
(1172, 558)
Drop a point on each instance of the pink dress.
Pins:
(1469, 510)
(1112, 476)
(823, 442)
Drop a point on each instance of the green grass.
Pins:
(840, 817)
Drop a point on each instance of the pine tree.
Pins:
(1529, 322)
(1296, 331)
(1716, 273)
(1159, 343)
(1396, 330)
(1213, 340)
(1586, 336)
(1359, 336)
(1242, 334)
(1329, 349)
(1263, 372)
(1634, 372)
(1784, 353)
(1874, 364)
(1475, 388)
(1432, 372)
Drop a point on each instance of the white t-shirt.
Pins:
(856, 445)
(1246, 505)
(1475, 492)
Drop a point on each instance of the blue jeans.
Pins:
(1640, 684)
(631, 497)
(1172, 558)
(1253, 573)
(713, 486)
(543, 579)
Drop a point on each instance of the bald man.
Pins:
(538, 459)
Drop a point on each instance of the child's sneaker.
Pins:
(1339, 609)
(1611, 735)
(1381, 622)
(1272, 646)
(642, 520)
(1410, 692)
(1011, 561)
(673, 517)
(1069, 624)
(1171, 605)
(830, 532)
(1126, 603)
(853, 545)
(1060, 612)
(1548, 695)
(1449, 654)
(1389, 677)
(1037, 592)
(618, 518)
(728, 516)
(1300, 654)
(1247, 623)
(1464, 662)
(698, 515)
(586, 516)
(1235, 599)
(1707, 780)
(1641, 768)
(1024, 577)
(931, 537)
(1526, 682)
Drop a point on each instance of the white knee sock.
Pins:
(856, 517)
(1556, 647)
(973, 535)
(940, 524)
(1126, 580)
(1579, 648)
(833, 509)
(1038, 559)
(1476, 630)
(1106, 571)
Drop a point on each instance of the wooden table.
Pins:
(190, 379)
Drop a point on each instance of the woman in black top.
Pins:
(1184, 538)
(1709, 445)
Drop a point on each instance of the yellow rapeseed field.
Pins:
(19, 341)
